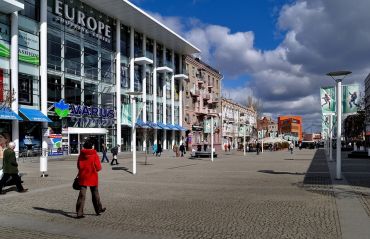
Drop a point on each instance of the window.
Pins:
(91, 60)
(72, 91)
(149, 49)
(160, 84)
(168, 114)
(25, 89)
(168, 86)
(54, 88)
(159, 55)
(125, 41)
(138, 80)
(31, 9)
(149, 111)
(159, 112)
(138, 44)
(90, 94)
(149, 83)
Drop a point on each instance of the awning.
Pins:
(142, 124)
(163, 126)
(34, 115)
(173, 127)
(180, 127)
(8, 114)
(153, 125)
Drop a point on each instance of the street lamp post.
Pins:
(338, 76)
(134, 94)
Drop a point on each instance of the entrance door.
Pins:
(73, 144)
(96, 139)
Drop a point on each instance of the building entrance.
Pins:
(77, 136)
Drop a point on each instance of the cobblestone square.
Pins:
(256, 196)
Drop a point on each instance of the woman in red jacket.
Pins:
(88, 165)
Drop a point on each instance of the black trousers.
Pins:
(82, 197)
(114, 159)
(15, 177)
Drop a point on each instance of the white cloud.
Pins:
(318, 36)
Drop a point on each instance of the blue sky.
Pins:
(277, 51)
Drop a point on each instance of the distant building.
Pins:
(202, 100)
(234, 117)
(312, 137)
(267, 126)
(367, 108)
(290, 125)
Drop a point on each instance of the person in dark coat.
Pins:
(10, 169)
(114, 152)
(182, 149)
(258, 147)
(159, 149)
(104, 151)
(88, 165)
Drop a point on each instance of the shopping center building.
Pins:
(72, 69)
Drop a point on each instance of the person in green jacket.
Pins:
(10, 169)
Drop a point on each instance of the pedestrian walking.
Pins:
(114, 152)
(182, 150)
(205, 145)
(229, 146)
(291, 146)
(176, 150)
(159, 149)
(154, 148)
(258, 146)
(105, 150)
(88, 165)
(10, 169)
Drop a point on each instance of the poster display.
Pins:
(55, 145)
(327, 96)
(351, 97)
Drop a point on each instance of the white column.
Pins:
(164, 93)
(118, 82)
(132, 82)
(144, 91)
(339, 129)
(134, 135)
(155, 89)
(244, 139)
(44, 80)
(180, 99)
(173, 97)
(14, 76)
(330, 137)
(212, 138)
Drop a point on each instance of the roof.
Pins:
(131, 15)
(9, 6)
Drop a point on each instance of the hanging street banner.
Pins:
(126, 114)
(327, 96)
(207, 125)
(351, 98)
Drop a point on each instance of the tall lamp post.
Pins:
(133, 95)
(338, 76)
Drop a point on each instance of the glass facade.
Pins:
(81, 45)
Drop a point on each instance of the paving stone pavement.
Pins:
(272, 195)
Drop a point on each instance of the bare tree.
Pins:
(9, 98)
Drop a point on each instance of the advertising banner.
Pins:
(55, 145)
(351, 97)
(207, 125)
(1, 85)
(4, 41)
(126, 114)
(327, 96)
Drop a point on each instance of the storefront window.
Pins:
(25, 89)
(138, 44)
(54, 88)
(90, 94)
(72, 91)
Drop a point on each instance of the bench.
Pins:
(203, 154)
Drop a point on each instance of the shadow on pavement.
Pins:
(318, 172)
(277, 172)
(122, 168)
(57, 211)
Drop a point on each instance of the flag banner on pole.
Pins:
(126, 114)
(351, 98)
(328, 101)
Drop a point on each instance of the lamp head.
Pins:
(338, 75)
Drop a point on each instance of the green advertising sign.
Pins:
(327, 96)
(351, 97)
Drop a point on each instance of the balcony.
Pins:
(213, 99)
(143, 60)
(206, 96)
(164, 69)
(181, 76)
(210, 85)
(195, 92)
(212, 111)
(201, 111)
